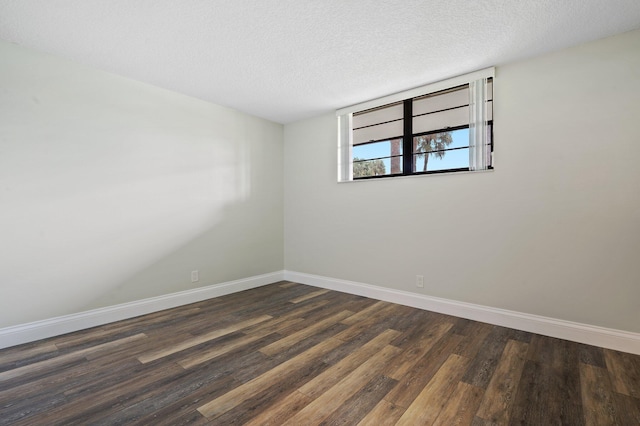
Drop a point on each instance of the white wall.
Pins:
(113, 191)
(554, 230)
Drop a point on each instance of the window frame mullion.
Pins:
(407, 138)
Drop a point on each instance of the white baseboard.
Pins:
(583, 333)
(23, 333)
(592, 335)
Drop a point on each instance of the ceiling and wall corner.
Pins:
(285, 60)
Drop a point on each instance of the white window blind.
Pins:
(441, 110)
(378, 124)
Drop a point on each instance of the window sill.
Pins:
(423, 175)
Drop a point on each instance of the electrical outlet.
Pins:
(195, 277)
(420, 281)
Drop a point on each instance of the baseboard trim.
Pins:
(620, 340)
(24, 333)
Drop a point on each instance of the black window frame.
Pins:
(408, 136)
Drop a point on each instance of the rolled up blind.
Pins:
(444, 109)
(441, 110)
(383, 123)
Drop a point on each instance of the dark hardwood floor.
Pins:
(290, 354)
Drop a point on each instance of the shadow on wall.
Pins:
(83, 230)
(112, 190)
(242, 243)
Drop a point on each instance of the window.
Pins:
(443, 127)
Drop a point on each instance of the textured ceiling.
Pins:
(286, 60)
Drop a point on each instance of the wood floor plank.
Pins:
(58, 362)
(238, 343)
(337, 372)
(549, 387)
(427, 406)
(217, 351)
(178, 401)
(13, 410)
(627, 409)
(353, 345)
(234, 397)
(413, 326)
(624, 372)
(477, 333)
(565, 401)
(355, 408)
(597, 396)
(321, 407)
(541, 350)
(499, 394)
(266, 363)
(87, 404)
(100, 375)
(385, 413)
(60, 380)
(369, 312)
(484, 364)
(36, 396)
(363, 325)
(592, 355)
(298, 313)
(287, 341)
(281, 411)
(200, 339)
(140, 401)
(313, 310)
(309, 296)
(131, 349)
(8, 361)
(267, 395)
(97, 335)
(381, 364)
(412, 384)
(421, 344)
(461, 406)
(529, 406)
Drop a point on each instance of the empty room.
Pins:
(320, 212)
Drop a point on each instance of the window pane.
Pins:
(377, 159)
(442, 151)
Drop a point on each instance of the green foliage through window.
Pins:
(363, 168)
